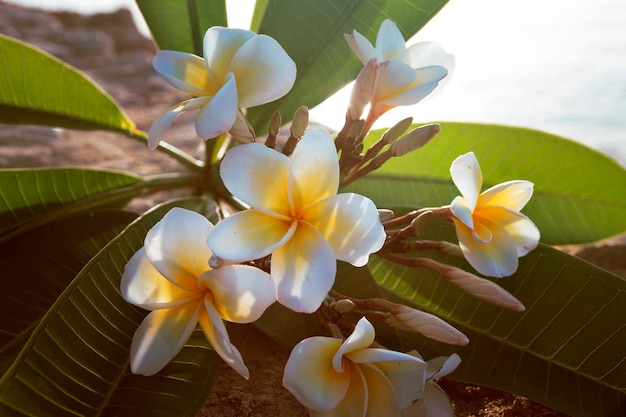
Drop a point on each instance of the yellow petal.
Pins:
(177, 248)
(314, 173)
(362, 336)
(184, 71)
(145, 287)
(160, 337)
(220, 45)
(351, 225)
(249, 235)
(303, 270)
(512, 195)
(310, 376)
(240, 293)
(259, 176)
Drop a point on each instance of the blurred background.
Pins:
(553, 65)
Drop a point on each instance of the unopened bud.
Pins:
(482, 288)
(396, 130)
(242, 131)
(363, 90)
(344, 306)
(300, 122)
(357, 128)
(412, 320)
(415, 139)
(272, 130)
(451, 249)
(385, 214)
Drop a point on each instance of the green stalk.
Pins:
(170, 150)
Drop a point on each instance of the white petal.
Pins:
(362, 336)
(177, 248)
(145, 287)
(249, 235)
(220, 46)
(310, 376)
(160, 337)
(461, 210)
(382, 399)
(351, 225)
(467, 177)
(303, 270)
(184, 71)
(356, 401)
(512, 195)
(495, 259)
(425, 81)
(220, 113)
(442, 366)
(216, 333)
(389, 41)
(259, 176)
(425, 54)
(436, 402)
(394, 77)
(314, 172)
(362, 48)
(160, 125)
(241, 293)
(263, 70)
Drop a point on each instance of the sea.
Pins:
(552, 65)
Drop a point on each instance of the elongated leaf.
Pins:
(566, 350)
(76, 361)
(180, 25)
(311, 31)
(38, 266)
(37, 88)
(31, 193)
(578, 194)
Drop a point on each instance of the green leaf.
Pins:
(311, 32)
(578, 194)
(76, 360)
(37, 88)
(38, 265)
(28, 194)
(180, 25)
(566, 350)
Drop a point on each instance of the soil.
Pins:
(111, 51)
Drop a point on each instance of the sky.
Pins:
(554, 65)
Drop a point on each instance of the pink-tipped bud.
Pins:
(242, 131)
(363, 90)
(416, 321)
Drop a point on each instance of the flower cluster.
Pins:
(288, 225)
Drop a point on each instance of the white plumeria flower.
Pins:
(297, 216)
(240, 69)
(349, 378)
(171, 277)
(404, 75)
(434, 401)
(492, 232)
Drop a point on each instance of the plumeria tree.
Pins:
(375, 255)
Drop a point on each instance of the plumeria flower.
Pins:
(240, 69)
(434, 401)
(350, 378)
(404, 75)
(171, 277)
(492, 233)
(296, 216)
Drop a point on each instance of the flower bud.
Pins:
(272, 130)
(415, 139)
(300, 122)
(415, 321)
(396, 130)
(363, 90)
(385, 214)
(242, 131)
(344, 306)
